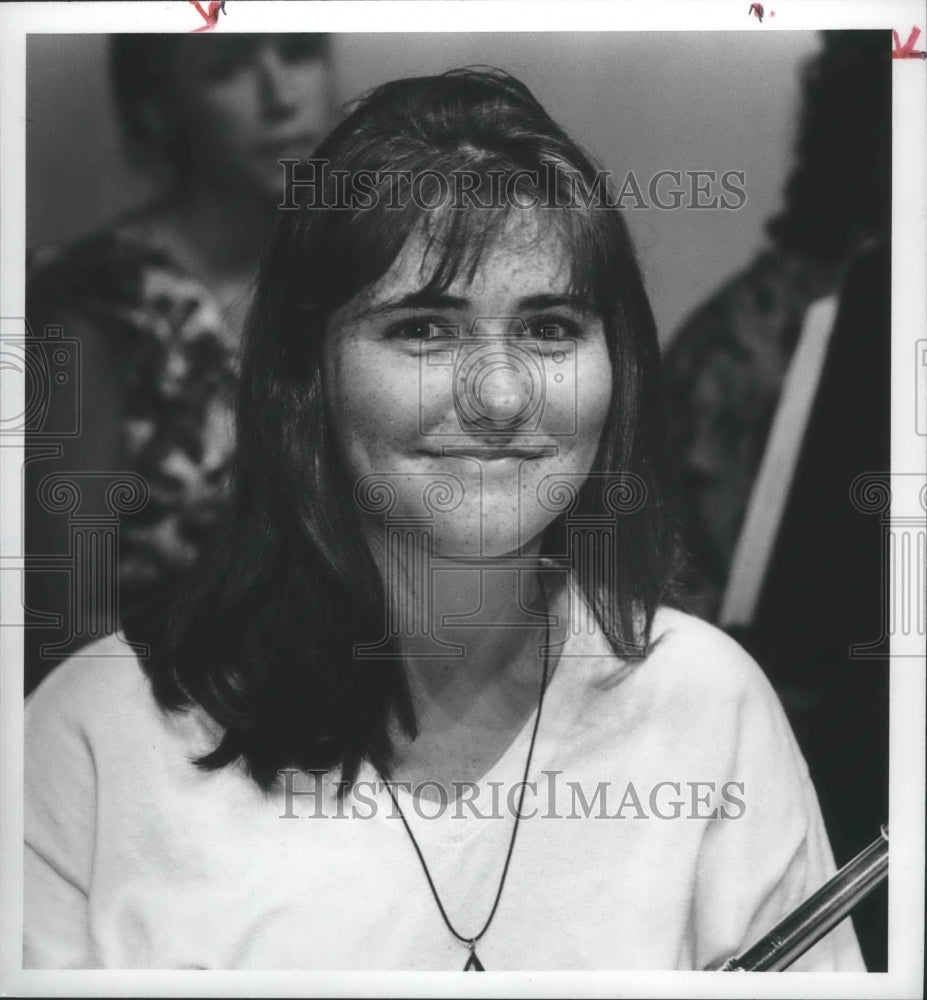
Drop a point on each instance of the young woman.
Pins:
(157, 298)
(427, 709)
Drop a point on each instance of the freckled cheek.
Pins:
(599, 410)
(374, 409)
(431, 402)
(594, 393)
(309, 90)
(219, 134)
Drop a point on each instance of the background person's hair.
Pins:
(141, 68)
(264, 639)
(839, 193)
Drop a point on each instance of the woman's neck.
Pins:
(473, 616)
(216, 235)
(217, 238)
(469, 707)
(223, 233)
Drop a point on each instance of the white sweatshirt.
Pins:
(671, 823)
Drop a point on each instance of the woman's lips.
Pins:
(295, 147)
(494, 453)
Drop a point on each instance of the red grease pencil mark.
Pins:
(210, 16)
(756, 9)
(907, 51)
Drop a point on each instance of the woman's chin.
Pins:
(489, 545)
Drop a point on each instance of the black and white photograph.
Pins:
(464, 505)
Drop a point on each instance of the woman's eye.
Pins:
(420, 329)
(224, 57)
(410, 331)
(221, 70)
(553, 328)
(299, 48)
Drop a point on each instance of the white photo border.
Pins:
(909, 326)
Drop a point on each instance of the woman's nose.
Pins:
(279, 96)
(500, 392)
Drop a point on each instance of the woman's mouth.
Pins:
(296, 147)
(488, 452)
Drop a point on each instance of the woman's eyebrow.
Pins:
(422, 299)
(534, 303)
(429, 299)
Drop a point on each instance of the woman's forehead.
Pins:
(527, 255)
(243, 47)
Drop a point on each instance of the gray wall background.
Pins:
(645, 102)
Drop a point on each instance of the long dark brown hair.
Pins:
(263, 639)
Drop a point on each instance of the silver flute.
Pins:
(818, 914)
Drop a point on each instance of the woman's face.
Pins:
(488, 388)
(243, 103)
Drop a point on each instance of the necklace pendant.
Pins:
(473, 963)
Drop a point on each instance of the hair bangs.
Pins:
(347, 251)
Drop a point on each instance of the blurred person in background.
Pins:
(157, 298)
(726, 364)
(820, 592)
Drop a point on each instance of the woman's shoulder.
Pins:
(102, 695)
(107, 671)
(110, 254)
(689, 653)
(688, 662)
(709, 691)
(165, 327)
(124, 270)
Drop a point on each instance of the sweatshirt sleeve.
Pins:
(59, 820)
(771, 851)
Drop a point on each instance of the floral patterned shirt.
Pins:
(177, 368)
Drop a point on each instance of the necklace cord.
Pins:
(471, 941)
